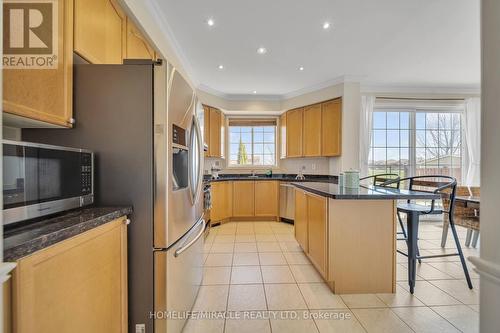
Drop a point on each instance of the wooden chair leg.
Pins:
(468, 237)
(475, 238)
(444, 236)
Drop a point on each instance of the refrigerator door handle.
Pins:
(184, 247)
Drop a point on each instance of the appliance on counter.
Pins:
(142, 120)
(40, 180)
(287, 202)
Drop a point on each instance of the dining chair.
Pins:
(445, 187)
(467, 217)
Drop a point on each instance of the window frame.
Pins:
(413, 108)
(253, 166)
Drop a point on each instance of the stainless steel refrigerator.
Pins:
(142, 121)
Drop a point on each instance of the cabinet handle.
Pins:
(126, 221)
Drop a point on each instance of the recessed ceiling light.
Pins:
(326, 25)
(221, 66)
(301, 68)
(254, 92)
(261, 50)
(210, 22)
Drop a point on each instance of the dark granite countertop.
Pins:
(276, 176)
(22, 240)
(363, 192)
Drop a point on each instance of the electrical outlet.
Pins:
(140, 328)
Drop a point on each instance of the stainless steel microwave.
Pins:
(40, 179)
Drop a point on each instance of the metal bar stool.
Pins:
(445, 186)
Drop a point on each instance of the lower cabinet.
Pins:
(222, 201)
(243, 198)
(311, 220)
(77, 285)
(266, 198)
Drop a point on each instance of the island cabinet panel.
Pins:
(312, 131)
(100, 31)
(301, 220)
(266, 198)
(243, 198)
(222, 200)
(331, 134)
(294, 135)
(362, 246)
(77, 285)
(317, 219)
(137, 46)
(45, 94)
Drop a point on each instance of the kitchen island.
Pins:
(350, 234)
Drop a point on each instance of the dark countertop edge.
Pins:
(276, 177)
(363, 196)
(41, 242)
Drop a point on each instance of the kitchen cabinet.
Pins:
(266, 198)
(312, 131)
(77, 285)
(214, 131)
(283, 135)
(100, 31)
(317, 231)
(137, 46)
(244, 192)
(222, 200)
(300, 221)
(294, 122)
(45, 95)
(331, 134)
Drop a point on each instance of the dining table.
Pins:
(472, 201)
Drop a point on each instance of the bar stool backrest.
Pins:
(384, 180)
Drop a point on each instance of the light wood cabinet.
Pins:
(266, 198)
(300, 222)
(137, 46)
(214, 131)
(244, 192)
(283, 135)
(77, 285)
(100, 31)
(294, 121)
(317, 231)
(331, 134)
(45, 95)
(222, 200)
(312, 131)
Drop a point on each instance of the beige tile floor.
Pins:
(258, 267)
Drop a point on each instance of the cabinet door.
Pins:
(294, 133)
(77, 285)
(228, 207)
(312, 130)
(100, 28)
(206, 128)
(214, 148)
(244, 205)
(331, 135)
(283, 135)
(300, 222)
(317, 231)
(137, 46)
(218, 211)
(266, 198)
(45, 95)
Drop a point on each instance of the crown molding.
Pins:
(323, 85)
(380, 88)
(239, 97)
(157, 13)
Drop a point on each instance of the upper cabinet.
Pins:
(331, 134)
(45, 94)
(294, 122)
(137, 46)
(312, 131)
(214, 131)
(100, 27)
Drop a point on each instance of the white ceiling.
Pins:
(421, 43)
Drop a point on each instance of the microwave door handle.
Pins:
(184, 247)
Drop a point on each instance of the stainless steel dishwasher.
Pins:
(287, 202)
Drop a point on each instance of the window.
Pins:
(416, 142)
(252, 142)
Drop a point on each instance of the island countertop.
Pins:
(22, 240)
(334, 191)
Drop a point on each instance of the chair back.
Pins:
(475, 191)
(384, 180)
